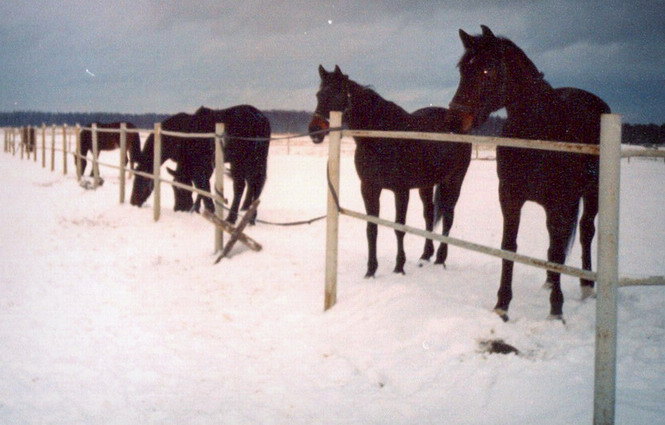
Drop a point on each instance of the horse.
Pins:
(395, 164)
(495, 73)
(246, 149)
(109, 142)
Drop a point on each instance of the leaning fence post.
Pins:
(332, 221)
(77, 158)
(52, 147)
(64, 149)
(219, 184)
(123, 163)
(95, 155)
(608, 270)
(157, 163)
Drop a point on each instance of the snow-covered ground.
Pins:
(107, 317)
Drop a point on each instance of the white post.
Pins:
(608, 270)
(123, 156)
(157, 165)
(332, 220)
(219, 184)
(78, 152)
(52, 147)
(95, 155)
(64, 149)
(43, 145)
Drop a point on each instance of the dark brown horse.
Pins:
(395, 164)
(495, 74)
(109, 142)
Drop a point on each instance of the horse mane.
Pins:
(370, 104)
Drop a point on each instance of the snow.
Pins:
(107, 317)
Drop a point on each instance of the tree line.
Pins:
(281, 121)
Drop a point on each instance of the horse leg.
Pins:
(428, 213)
(255, 187)
(587, 231)
(448, 195)
(371, 197)
(560, 226)
(202, 181)
(238, 189)
(401, 205)
(511, 210)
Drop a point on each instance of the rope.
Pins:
(293, 136)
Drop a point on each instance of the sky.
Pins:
(166, 56)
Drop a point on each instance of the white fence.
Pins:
(607, 277)
(16, 140)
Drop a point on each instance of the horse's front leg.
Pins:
(238, 189)
(401, 205)
(428, 214)
(511, 211)
(371, 195)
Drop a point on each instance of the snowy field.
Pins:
(107, 317)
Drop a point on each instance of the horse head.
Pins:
(142, 187)
(333, 95)
(483, 80)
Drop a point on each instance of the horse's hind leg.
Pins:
(371, 195)
(448, 195)
(401, 205)
(428, 213)
(587, 231)
(560, 226)
(238, 189)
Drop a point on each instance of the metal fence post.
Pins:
(123, 163)
(95, 155)
(332, 220)
(157, 165)
(608, 270)
(219, 184)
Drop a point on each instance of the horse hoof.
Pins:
(422, 262)
(369, 275)
(557, 317)
(503, 314)
(399, 271)
(588, 292)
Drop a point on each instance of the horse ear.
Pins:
(467, 40)
(337, 70)
(322, 71)
(487, 32)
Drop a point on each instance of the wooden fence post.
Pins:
(95, 155)
(64, 149)
(77, 158)
(219, 184)
(608, 270)
(33, 141)
(157, 165)
(332, 220)
(123, 155)
(43, 145)
(22, 145)
(52, 147)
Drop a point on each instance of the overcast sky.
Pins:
(169, 56)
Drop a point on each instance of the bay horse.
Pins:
(395, 164)
(246, 149)
(109, 142)
(495, 74)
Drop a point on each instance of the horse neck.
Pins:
(368, 110)
(527, 90)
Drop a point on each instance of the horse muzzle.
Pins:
(318, 128)
(460, 119)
